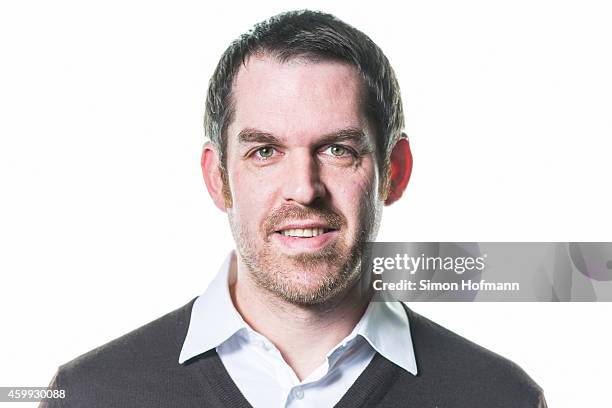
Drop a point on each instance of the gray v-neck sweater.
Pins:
(141, 369)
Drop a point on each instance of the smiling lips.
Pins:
(304, 236)
(313, 232)
(300, 238)
(304, 232)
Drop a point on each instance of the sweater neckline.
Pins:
(369, 387)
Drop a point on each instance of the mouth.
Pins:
(300, 238)
(304, 232)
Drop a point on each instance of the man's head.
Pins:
(305, 121)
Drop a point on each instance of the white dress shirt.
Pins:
(260, 372)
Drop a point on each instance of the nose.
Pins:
(303, 182)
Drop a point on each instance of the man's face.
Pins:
(302, 176)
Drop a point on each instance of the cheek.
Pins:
(251, 195)
(353, 191)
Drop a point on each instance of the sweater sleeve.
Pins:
(542, 402)
(53, 402)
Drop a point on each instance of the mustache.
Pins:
(292, 212)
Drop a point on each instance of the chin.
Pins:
(313, 287)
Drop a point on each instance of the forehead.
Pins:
(296, 98)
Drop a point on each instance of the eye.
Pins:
(265, 152)
(337, 151)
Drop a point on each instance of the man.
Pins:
(305, 122)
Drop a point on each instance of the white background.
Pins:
(105, 223)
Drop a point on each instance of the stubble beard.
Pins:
(312, 278)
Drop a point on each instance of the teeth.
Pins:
(303, 232)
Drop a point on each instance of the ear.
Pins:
(401, 168)
(212, 175)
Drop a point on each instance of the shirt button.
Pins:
(298, 393)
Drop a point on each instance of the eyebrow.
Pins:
(345, 135)
(250, 135)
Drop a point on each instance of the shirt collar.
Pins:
(384, 324)
(214, 318)
(386, 327)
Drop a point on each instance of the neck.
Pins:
(291, 327)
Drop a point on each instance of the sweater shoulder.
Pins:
(138, 369)
(453, 359)
(155, 343)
